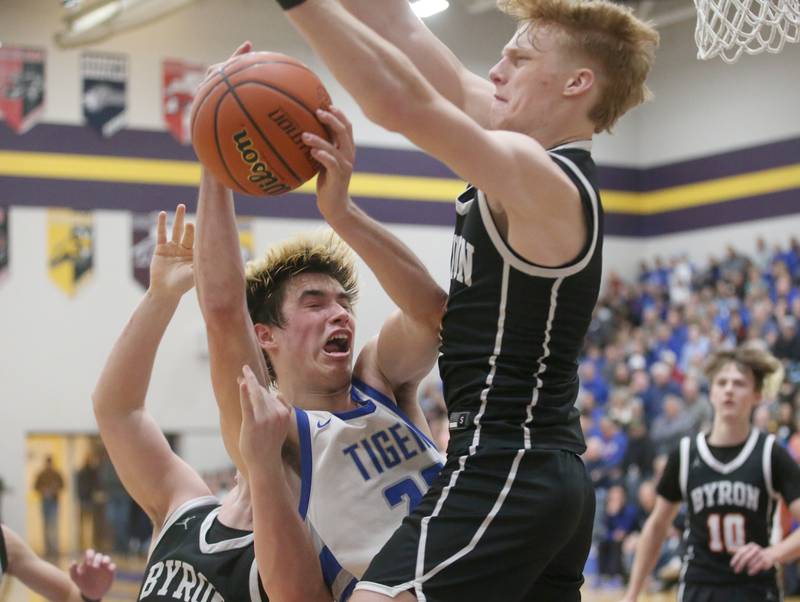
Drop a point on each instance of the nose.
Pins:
(496, 74)
(340, 315)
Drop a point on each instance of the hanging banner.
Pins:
(21, 87)
(70, 248)
(144, 241)
(179, 83)
(4, 242)
(105, 78)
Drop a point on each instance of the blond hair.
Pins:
(317, 253)
(607, 33)
(750, 358)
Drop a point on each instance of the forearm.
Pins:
(647, 551)
(400, 272)
(788, 549)
(288, 571)
(395, 22)
(383, 81)
(122, 386)
(219, 272)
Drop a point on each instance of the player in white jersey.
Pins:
(88, 581)
(291, 320)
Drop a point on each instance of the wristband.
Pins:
(287, 4)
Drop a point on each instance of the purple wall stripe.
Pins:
(146, 197)
(49, 138)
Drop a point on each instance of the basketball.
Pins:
(248, 119)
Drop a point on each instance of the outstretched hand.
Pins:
(337, 159)
(171, 270)
(93, 575)
(266, 419)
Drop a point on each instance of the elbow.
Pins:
(396, 111)
(220, 310)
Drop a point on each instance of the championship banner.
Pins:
(105, 78)
(144, 241)
(70, 248)
(179, 83)
(21, 87)
(4, 242)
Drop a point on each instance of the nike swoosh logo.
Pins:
(322, 425)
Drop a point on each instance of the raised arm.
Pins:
(407, 346)
(90, 579)
(396, 22)
(151, 472)
(393, 93)
(221, 291)
(288, 572)
(649, 545)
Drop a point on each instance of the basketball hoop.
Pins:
(726, 28)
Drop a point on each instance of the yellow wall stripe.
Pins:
(187, 173)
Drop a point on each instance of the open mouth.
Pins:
(338, 344)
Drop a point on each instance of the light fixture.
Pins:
(426, 8)
(90, 21)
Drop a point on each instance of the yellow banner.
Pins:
(70, 248)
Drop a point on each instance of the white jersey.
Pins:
(362, 472)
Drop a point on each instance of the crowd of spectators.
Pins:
(642, 381)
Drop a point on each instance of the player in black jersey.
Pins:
(510, 516)
(88, 580)
(731, 481)
(202, 550)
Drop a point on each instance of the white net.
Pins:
(726, 28)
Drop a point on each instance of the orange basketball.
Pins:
(248, 119)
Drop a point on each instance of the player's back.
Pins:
(513, 330)
(362, 473)
(730, 503)
(198, 558)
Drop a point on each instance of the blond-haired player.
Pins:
(510, 516)
(731, 480)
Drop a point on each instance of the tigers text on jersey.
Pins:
(3, 555)
(728, 505)
(513, 330)
(362, 473)
(185, 565)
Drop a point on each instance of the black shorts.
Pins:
(498, 525)
(749, 592)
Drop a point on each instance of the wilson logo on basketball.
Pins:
(292, 130)
(260, 174)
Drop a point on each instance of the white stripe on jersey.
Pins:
(541, 361)
(173, 517)
(372, 458)
(686, 444)
(712, 462)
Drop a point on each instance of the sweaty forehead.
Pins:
(531, 36)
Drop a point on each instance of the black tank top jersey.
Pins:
(3, 556)
(729, 505)
(197, 558)
(513, 330)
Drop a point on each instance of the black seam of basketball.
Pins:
(207, 94)
(219, 147)
(282, 91)
(246, 67)
(232, 90)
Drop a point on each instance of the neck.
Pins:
(310, 397)
(236, 511)
(552, 136)
(729, 432)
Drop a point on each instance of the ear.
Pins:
(265, 336)
(580, 82)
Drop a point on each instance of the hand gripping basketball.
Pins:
(248, 118)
